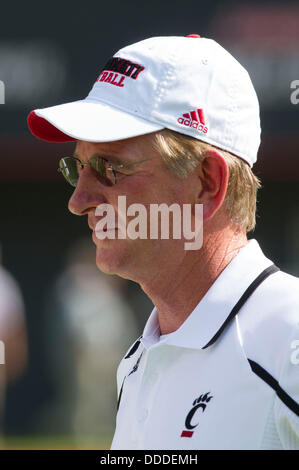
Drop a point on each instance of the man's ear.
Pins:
(213, 173)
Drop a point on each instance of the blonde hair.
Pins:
(183, 153)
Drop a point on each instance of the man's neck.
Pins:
(177, 292)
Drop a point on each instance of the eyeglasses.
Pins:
(71, 167)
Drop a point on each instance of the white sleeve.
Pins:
(286, 410)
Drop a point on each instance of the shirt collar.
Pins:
(213, 309)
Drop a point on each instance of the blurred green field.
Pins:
(54, 443)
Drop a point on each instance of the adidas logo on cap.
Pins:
(194, 119)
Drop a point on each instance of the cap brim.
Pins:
(88, 121)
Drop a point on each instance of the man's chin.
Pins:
(110, 259)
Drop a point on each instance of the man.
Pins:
(174, 120)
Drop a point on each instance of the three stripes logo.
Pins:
(194, 119)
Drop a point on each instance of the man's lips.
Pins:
(98, 232)
(105, 234)
(93, 226)
(105, 229)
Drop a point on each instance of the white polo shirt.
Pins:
(223, 380)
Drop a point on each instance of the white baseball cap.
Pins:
(191, 85)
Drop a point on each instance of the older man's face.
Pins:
(148, 183)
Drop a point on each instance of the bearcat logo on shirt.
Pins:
(194, 119)
(117, 69)
(199, 403)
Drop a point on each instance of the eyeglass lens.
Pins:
(69, 168)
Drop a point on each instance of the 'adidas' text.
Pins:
(194, 119)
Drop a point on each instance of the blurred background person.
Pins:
(13, 335)
(89, 327)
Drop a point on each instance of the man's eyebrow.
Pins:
(109, 157)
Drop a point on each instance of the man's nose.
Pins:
(88, 194)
